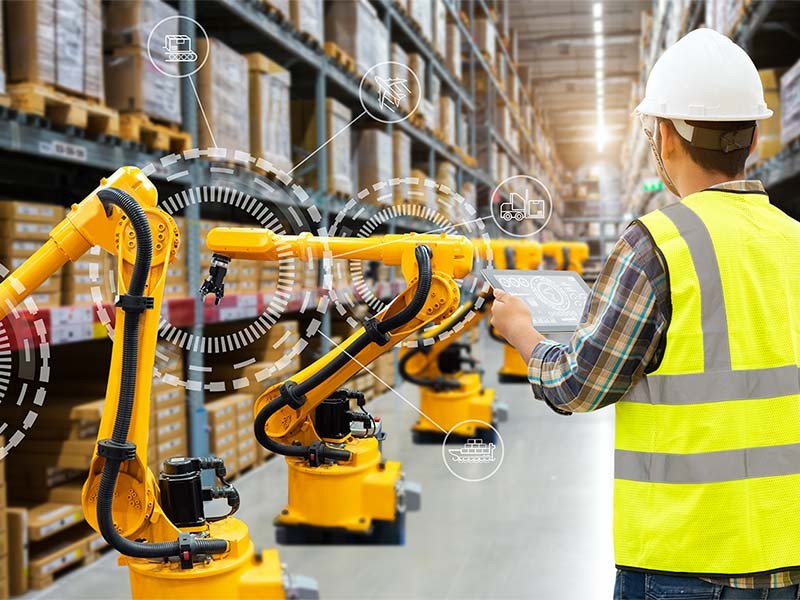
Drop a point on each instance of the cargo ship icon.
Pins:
(473, 451)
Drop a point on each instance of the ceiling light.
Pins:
(599, 52)
(598, 74)
(598, 41)
(597, 10)
(601, 136)
(598, 63)
(598, 26)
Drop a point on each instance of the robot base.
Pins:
(382, 533)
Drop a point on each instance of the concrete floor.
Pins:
(540, 528)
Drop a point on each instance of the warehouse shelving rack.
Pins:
(756, 32)
(244, 27)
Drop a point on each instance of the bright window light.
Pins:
(598, 74)
(597, 10)
(598, 41)
(598, 63)
(598, 26)
(599, 52)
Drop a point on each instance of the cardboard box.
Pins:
(374, 157)
(270, 113)
(769, 130)
(447, 119)
(421, 12)
(17, 550)
(306, 16)
(353, 25)
(790, 104)
(452, 53)
(129, 22)
(225, 70)
(439, 27)
(47, 519)
(93, 80)
(24, 230)
(70, 44)
(66, 548)
(133, 84)
(401, 162)
(31, 212)
(338, 151)
(484, 35)
(32, 48)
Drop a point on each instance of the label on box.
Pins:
(56, 563)
(71, 333)
(46, 530)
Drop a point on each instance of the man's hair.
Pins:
(730, 164)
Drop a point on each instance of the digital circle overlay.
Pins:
(521, 206)
(475, 458)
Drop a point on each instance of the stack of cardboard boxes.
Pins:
(133, 83)
(168, 429)
(306, 16)
(338, 151)
(353, 25)
(223, 423)
(57, 43)
(769, 130)
(222, 85)
(374, 157)
(24, 228)
(790, 105)
(270, 137)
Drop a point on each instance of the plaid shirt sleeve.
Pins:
(619, 339)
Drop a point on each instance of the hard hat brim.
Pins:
(646, 109)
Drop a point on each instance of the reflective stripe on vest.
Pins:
(707, 461)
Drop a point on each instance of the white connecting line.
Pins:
(328, 141)
(203, 111)
(386, 385)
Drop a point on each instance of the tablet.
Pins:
(556, 298)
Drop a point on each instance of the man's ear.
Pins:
(668, 139)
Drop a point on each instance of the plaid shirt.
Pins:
(621, 338)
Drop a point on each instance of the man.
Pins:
(693, 332)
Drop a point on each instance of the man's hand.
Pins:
(511, 318)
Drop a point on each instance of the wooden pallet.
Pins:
(140, 128)
(64, 110)
(342, 58)
(273, 11)
(83, 554)
(309, 40)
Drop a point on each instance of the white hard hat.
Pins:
(704, 76)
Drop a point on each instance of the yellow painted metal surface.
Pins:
(449, 408)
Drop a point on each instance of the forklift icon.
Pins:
(179, 48)
(518, 208)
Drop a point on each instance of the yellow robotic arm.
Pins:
(338, 481)
(422, 364)
(158, 527)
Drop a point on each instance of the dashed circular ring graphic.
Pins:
(231, 181)
(24, 365)
(478, 457)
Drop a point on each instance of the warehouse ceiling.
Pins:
(557, 43)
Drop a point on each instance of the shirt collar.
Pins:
(741, 185)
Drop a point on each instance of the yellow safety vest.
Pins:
(707, 460)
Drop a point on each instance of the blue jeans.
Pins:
(650, 586)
